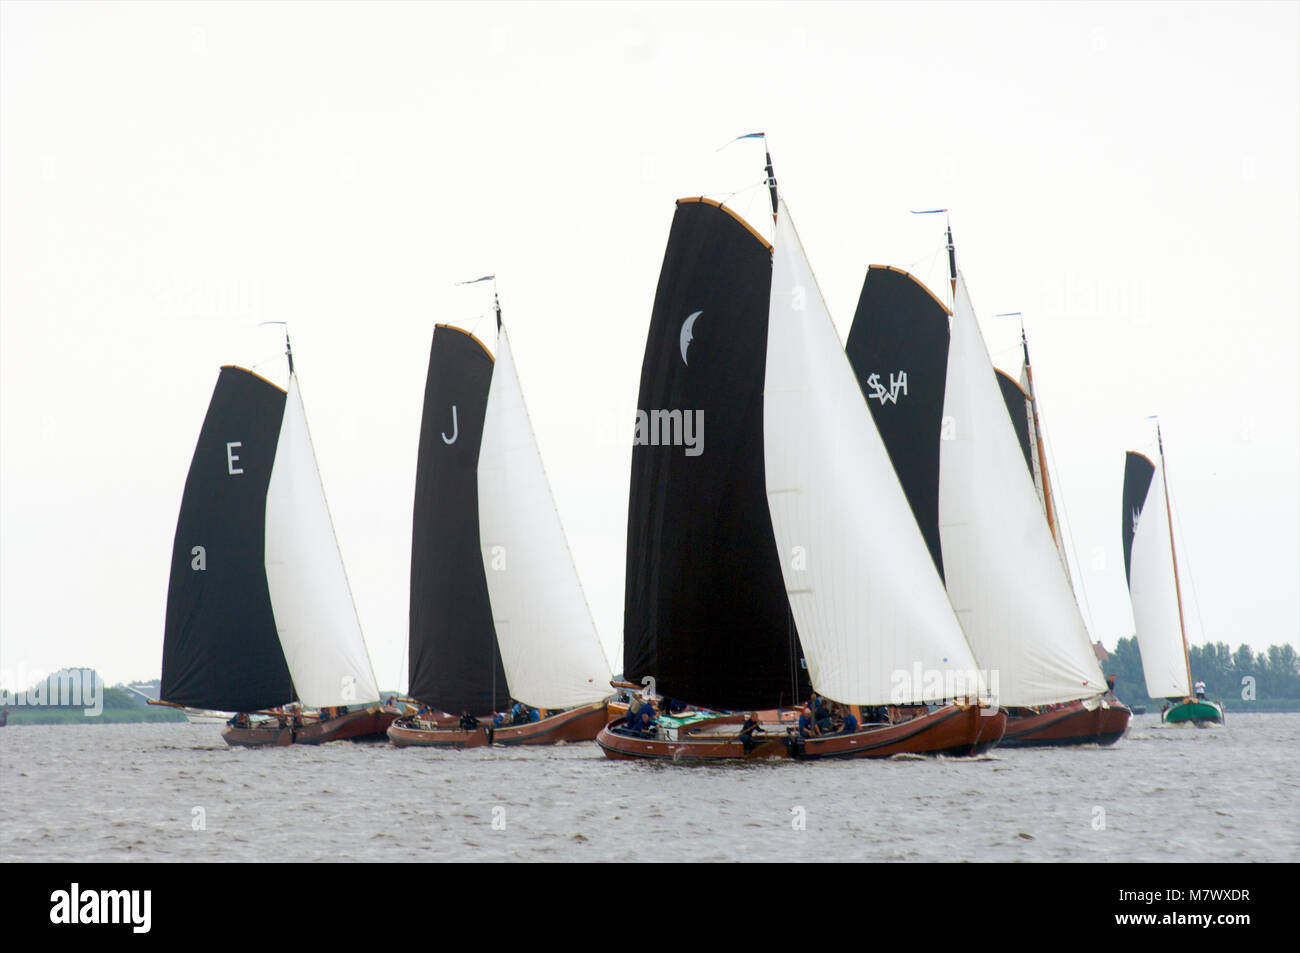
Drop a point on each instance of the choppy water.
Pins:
(134, 792)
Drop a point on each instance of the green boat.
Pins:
(1198, 711)
(1151, 567)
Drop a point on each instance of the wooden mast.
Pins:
(1038, 440)
(1178, 593)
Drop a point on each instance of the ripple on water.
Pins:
(128, 792)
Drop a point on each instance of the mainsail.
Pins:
(1003, 571)
(705, 611)
(1149, 568)
(863, 587)
(220, 647)
(550, 651)
(454, 661)
(1022, 419)
(310, 597)
(898, 346)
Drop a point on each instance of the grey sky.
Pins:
(170, 175)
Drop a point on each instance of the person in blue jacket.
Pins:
(850, 723)
(807, 728)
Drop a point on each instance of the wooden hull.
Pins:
(406, 734)
(706, 741)
(1196, 711)
(1114, 722)
(1072, 724)
(576, 724)
(370, 724)
(272, 736)
(951, 730)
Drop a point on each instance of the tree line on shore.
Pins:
(1242, 678)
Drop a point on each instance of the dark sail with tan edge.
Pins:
(898, 347)
(221, 650)
(705, 611)
(455, 665)
(1017, 402)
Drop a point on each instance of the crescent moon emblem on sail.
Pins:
(687, 336)
(455, 428)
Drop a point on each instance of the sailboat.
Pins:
(1001, 564)
(1106, 724)
(705, 620)
(259, 612)
(846, 564)
(943, 418)
(497, 609)
(1151, 568)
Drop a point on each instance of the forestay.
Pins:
(549, 646)
(1148, 562)
(867, 598)
(1003, 572)
(314, 612)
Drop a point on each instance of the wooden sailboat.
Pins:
(1151, 568)
(861, 611)
(1076, 722)
(705, 613)
(510, 621)
(1003, 571)
(943, 419)
(259, 613)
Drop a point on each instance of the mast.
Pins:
(1048, 505)
(1178, 592)
(952, 253)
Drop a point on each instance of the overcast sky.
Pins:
(1125, 175)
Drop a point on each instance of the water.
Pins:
(175, 792)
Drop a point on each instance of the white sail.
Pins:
(314, 613)
(875, 624)
(1003, 570)
(1155, 597)
(549, 647)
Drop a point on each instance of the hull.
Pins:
(714, 740)
(952, 730)
(271, 736)
(409, 734)
(1197, 711)
(1074, 723)
(576, 724)
(1114, 722)
(369, 724)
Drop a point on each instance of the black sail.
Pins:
(1138, 472)
(898, 347)
(705, 611)
(1017, 402)
(455, 665)
(220, 649)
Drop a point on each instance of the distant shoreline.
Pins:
(35, 715)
